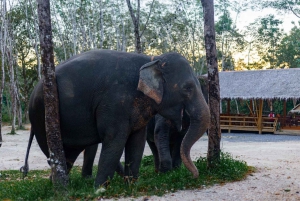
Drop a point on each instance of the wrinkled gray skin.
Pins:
(164, 139)
(109, 97)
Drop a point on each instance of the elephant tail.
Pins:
(24, 169)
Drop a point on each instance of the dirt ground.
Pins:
(276, 158)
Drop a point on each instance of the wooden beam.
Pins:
(284, 108)
(251, 108)
(284, 112)
(228, 106)
(259, 121)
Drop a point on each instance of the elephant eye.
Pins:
(188, 90)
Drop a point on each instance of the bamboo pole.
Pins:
(284, 112)
(228, 106)
(259, 121)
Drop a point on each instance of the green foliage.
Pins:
(282, 6)
(288, 52)
(243, 108)
(38, 187)
(266, 35)
(172, 26)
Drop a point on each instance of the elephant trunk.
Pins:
(199, 121)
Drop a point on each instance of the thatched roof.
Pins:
(295, 109)
(260, 84)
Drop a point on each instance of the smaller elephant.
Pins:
(88, 162)
(164, 139)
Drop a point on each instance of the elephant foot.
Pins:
(24, 169)
(103, 186)
(164, 170)
(165, 166)
(130, 180)
(177, 164)
(87, 176)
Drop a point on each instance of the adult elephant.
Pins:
(164, 139)
(108, 97)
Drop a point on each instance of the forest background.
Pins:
(263, 40)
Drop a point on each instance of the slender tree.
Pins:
(3, 34)
(56, 151)
(12, 89)
(214, 131)
(136, 23)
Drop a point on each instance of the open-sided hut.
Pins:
(295, 110)
(259, 85)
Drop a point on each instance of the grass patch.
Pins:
(36, 186)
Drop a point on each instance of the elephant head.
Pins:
(171, 83)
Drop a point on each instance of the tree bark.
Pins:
(56, 151)
(12, 88)
(3, 33)
(136, 24)
(36, 39)
(101, 24)
(214, 131)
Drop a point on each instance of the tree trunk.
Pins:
(123, 38)
(57, 155)
(74, 28)
(214, 131)
(136, 24)
(3, 32)
(19, 108)
(12, 88)
(101, 24)
(36, 39)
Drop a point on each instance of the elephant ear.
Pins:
(151, 81)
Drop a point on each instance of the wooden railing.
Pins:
(289, 122)
(246, 123)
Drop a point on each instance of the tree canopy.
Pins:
(164, 26)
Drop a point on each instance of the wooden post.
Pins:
(251, 108)
(284, 113)
(229, 130)
(228, 106)
(259, 121)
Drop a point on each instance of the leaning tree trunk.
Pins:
(56, 151)
(214, 131)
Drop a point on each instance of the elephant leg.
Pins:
(175, 152)
(134, 150)
(111, 152)
(88, 160)
(162, 142)
(155, 154)
(120, 169)
(164, 157)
